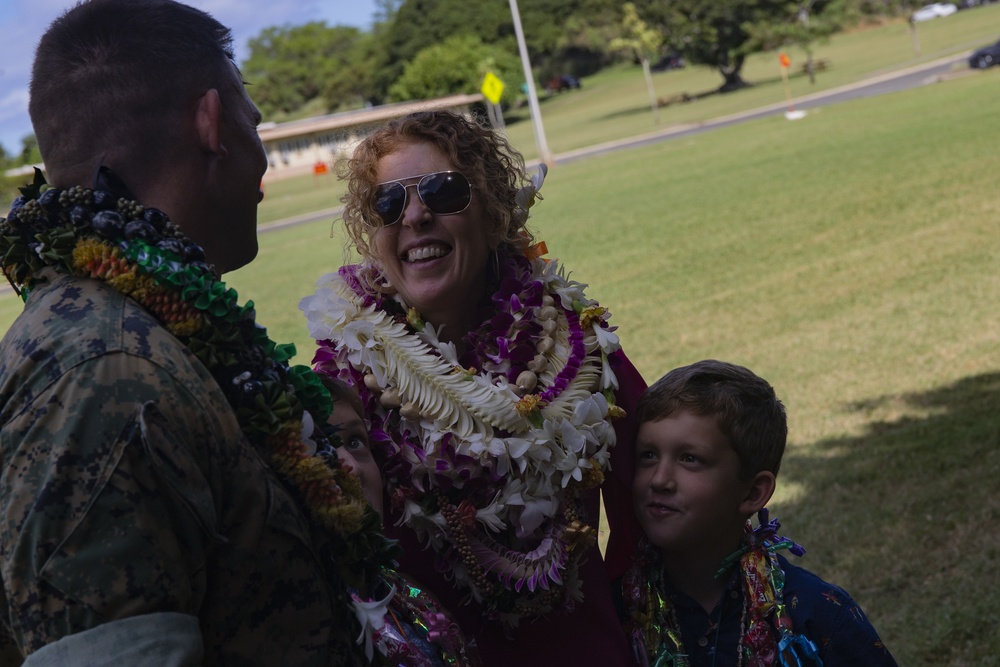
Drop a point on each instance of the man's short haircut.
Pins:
(116, 73)
(744, 407)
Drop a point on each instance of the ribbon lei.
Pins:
(789, 648)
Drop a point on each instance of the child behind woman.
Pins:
(708, 588)
(409, 626)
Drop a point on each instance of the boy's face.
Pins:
(354, 450)
(687, 492)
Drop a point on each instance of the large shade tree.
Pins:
(713, 33)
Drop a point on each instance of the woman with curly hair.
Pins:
(495, 388)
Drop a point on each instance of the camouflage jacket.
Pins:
(127, 488)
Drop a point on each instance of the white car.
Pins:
(928, 12)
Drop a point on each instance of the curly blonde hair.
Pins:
(495, 169)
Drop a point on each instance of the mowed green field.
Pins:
(852, 258)
(614, 103)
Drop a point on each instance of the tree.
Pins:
(713, 33)
(349, 85)
(420, 24)
(290, 66)
(386, 9)
(642, 42)
(457, 65)
(569, 36)
(562, 35)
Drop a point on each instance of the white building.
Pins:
(311, 145)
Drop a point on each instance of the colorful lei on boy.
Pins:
(487, 455)
(767, 635)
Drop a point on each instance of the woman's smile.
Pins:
(425, 252)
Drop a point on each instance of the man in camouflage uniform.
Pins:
(137, 525)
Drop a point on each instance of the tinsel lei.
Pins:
(487, 453)
(409, 627)
(139, 252)
(767, 635)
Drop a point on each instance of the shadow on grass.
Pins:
(686, 98)
(905, 517)
(793, 76)
(671, 101)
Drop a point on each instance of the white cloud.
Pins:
(12, 103)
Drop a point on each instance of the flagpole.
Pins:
(529, 78)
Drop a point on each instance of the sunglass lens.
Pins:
(445, 192)
(390, 202)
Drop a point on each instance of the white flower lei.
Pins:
(545, 452)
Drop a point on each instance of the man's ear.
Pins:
(208, 121)
(760, 492)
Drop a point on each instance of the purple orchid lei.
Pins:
(487, 454)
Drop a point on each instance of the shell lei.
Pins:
(487, 465)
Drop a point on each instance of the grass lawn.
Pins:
(289, 197)
(852, 259)
(614, 103)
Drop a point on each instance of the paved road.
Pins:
(876, 85)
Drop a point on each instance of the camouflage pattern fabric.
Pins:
(127, 488)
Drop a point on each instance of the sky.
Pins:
(22, 23)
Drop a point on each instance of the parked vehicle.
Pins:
(985, 57)
(557, 84)
(667, 62)
(933, 11)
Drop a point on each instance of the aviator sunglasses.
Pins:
(443, 192)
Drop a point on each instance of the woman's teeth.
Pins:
(426, 252)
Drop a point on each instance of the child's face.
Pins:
(687, 492)
(355, 451)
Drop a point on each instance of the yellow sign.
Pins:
(492, 88)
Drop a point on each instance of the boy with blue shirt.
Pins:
(708, 589)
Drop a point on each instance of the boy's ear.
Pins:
(760, 492)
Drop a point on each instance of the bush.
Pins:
(457, 65)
